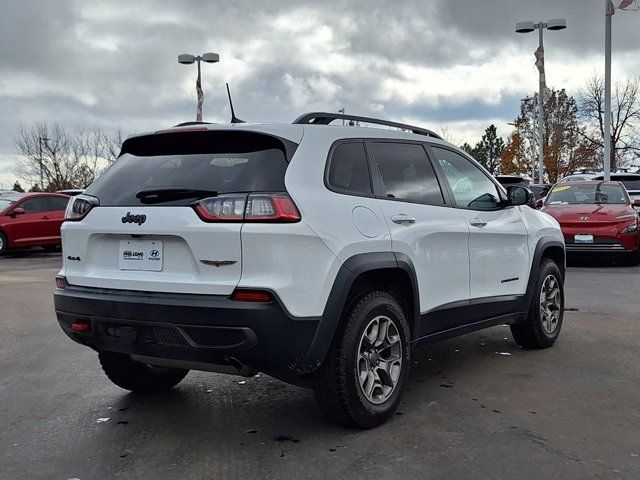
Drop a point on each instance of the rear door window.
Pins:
(217, 161)
(349, 169)
(407, 173)
(56, 203)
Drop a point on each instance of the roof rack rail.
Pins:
(324, 118)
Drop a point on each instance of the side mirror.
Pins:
(540, 203)
(636, 203)
(17, 211)
(519, 196)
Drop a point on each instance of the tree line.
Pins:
(573, 132)
(54, 158)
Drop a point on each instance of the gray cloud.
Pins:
(113, 64)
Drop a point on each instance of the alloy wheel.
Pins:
(550, 304)
(379, 360)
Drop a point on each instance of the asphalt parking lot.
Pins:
(477, 407)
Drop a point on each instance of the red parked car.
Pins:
(31, 219)
(596, 216)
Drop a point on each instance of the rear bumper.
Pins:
(207, 329)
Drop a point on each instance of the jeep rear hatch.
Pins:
(167, 215)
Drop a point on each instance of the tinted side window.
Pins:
(407, 173)
(56, 203)
(349, 170)
(34, 205)
(471, 187)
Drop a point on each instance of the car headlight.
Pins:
(630, 229)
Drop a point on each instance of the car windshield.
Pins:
(587, 193)
(631, 184)
(5, 202)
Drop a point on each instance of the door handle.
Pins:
(45, 218)
(402, 219)
(476, 222)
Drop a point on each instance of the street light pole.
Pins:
(541, 87)
(527, 27)
(607, 90)
(40, 141)
(186, 59)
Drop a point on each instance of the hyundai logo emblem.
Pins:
(584, 219)
(154, 253)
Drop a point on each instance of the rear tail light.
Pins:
(259, 296)
(227, 208)
(79, 206)
(258, 207)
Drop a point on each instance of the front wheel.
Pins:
(4, 244)
(139, 377)
(361, 380)
(544, 321)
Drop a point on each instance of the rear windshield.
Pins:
(584, 193)
(221, 162)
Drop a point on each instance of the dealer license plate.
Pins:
(140, 255)
(583, 238)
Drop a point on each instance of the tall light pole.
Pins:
(41, 140)
(187, 59)
(528, 27)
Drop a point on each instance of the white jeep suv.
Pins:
(321, 255)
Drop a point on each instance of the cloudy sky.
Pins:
(454, 64)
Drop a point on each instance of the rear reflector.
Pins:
(251, 296)
(80, 326)
(256, 207)
(60, 282)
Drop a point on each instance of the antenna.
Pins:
(234, 119)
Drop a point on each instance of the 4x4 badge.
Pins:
(139, 219)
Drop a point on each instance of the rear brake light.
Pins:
(251, 296)
(258, 207)
(79, 206)
(183, 129)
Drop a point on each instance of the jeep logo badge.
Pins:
(139, 219)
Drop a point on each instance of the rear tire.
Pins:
(361, 380)
(544, 321)
(139, 377)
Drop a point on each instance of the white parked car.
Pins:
(319, 254)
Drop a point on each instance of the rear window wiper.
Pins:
(160, 195)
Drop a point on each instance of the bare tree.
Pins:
(54, 159)
(565, 144)
(625, 118)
